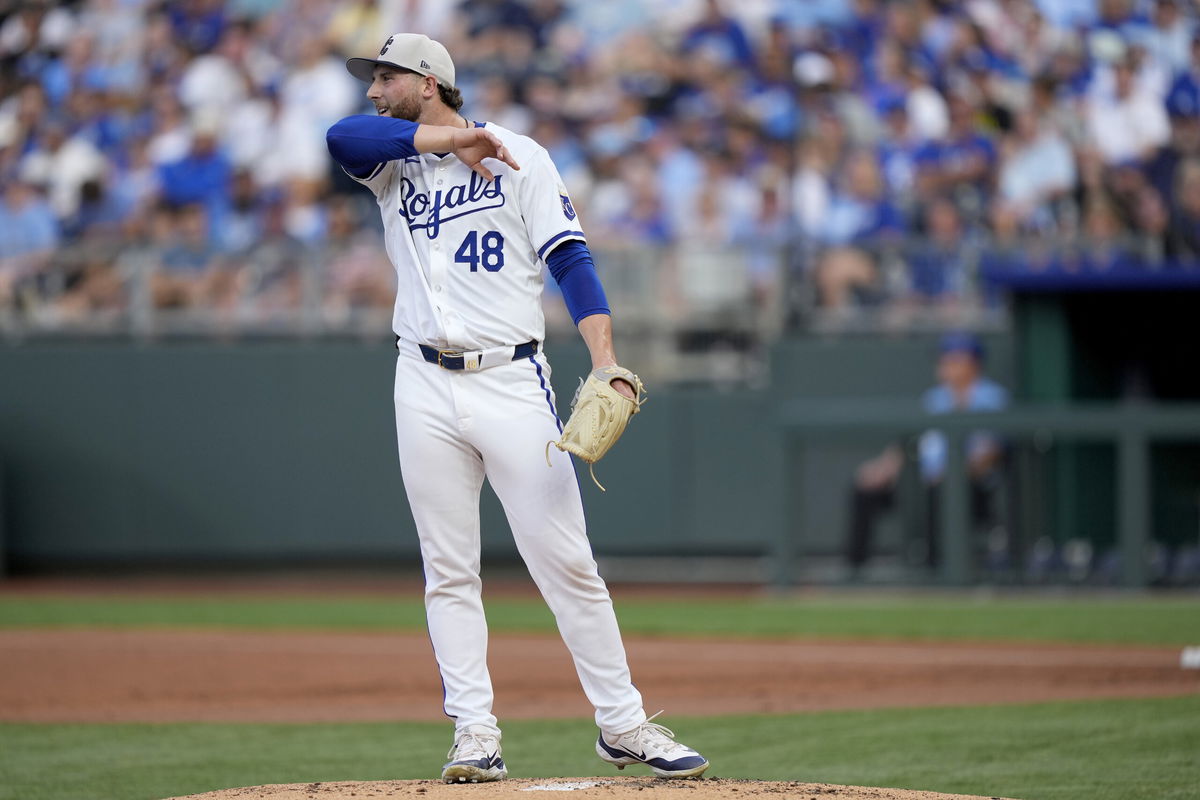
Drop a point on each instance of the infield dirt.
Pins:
(162, 676)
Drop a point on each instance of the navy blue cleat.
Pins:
(475, 758)
(653, 745)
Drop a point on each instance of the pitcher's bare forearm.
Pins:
(596, 331)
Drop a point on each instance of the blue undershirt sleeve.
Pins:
(361, 142)
(573, 269)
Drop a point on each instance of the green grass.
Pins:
(1129, 620)
(1107, 750)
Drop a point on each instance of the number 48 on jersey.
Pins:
(487, 250)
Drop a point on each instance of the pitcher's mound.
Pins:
(606, 788)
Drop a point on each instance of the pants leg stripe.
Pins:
(546, 389)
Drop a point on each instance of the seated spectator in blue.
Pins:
(859, 221)
(101, 212)
(204, 176)
(719, 35)
(859, 210)
(961, 386)
(29, 235)
(1170, 37)
(191, 272)
(960, 164)
(198, 24)
(938, 262)
(898, 151)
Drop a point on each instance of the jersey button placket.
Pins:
(438, 276)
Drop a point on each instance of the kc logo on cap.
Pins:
(414, 52)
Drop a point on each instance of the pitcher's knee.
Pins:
(456, 584)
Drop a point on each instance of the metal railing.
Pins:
(691, 310)
(1130, 426)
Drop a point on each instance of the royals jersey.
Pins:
(468, 253)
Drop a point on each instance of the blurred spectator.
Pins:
(1105, 243)
(1130, 125)
(359, 276)
(718, 36)
(1037, 168)
(315, 92)
(94, 289)
(928, 114)
(35, 28)
(29, 233)
(764, 237)
(271, 279)
(21, 116)
(170, 135)
(1152, 220)
(811, 189)
(197, 23)
(99, 216)
(898, 149)
(213, 83)
(244, 219)
(940, 263)
(203, 176)
(712, 278)
(859, 211)
(358, 26)
(1184, 238)
(961, 386)
(962, 164)
(62, 162)
(859, 220)
(73, 70)
(1169, 42)
(191, 272)
(494, 102)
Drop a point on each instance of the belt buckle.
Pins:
(448, 354)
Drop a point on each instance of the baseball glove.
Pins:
(599, 414)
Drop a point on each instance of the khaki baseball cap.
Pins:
(412, 51)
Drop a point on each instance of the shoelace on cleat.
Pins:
(469, 744)
(659, 736)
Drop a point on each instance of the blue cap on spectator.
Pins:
(962, 342)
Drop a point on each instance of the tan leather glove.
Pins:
(599, 414)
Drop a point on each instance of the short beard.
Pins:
(407, 109)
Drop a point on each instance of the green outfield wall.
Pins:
(124, 453)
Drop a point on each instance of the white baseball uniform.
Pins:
(468, 255)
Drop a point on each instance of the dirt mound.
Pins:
(606, 788)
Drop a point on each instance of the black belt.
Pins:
(456, 359)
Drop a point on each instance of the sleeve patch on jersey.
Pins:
(568, 209)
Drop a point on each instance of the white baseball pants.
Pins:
(453, 429)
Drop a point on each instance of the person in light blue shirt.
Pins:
(961, 386)
(29, 234)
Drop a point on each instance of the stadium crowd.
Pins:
(170, 155)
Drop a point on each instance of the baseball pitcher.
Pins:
(471, 212)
